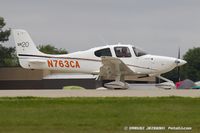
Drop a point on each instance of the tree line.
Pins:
(9, 58)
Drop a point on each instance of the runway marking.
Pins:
(100, 93)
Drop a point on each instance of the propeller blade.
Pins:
(178, 69)
(179, 53)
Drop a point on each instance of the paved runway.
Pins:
(100, 93)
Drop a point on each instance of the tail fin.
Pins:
(26, 48)
(24, 43)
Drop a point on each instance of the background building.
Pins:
(19, 78)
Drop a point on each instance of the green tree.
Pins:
(192, 69)
(7, 54)
(4, 34)
(49, 49)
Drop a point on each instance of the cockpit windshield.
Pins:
(138, 52)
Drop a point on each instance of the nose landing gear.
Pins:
(166, 85)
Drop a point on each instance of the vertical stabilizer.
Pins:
(27, 52)
(24, 43)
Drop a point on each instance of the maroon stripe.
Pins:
(58, 57)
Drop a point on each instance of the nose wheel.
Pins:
(168, 84)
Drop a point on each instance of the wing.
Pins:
(113, 67)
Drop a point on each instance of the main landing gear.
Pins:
(119, 83)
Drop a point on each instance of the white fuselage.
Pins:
(112, 61)
(88, 62)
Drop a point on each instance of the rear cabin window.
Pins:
(122, 52)
(103, 52)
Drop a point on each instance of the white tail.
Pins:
(27, 51)
(24, 43)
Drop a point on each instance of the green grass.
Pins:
(73, 88)
(95, 115)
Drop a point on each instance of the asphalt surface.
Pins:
(101, 93)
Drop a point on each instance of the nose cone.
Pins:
(180, 62)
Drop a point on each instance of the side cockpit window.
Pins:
(103, 52)
(138, 52)
(122, 52)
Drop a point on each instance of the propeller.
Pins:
(179, 62)
(178, 69)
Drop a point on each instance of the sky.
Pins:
(157, 26)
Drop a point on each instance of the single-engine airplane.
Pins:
(116, 61)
